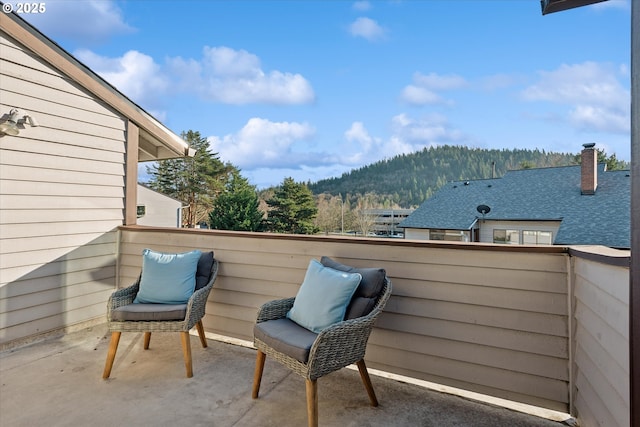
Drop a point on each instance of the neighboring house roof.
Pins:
(155, 140)
(537, 195)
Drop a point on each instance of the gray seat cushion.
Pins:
(367, 293)
(149, 312)
(203, 273)
(287, 337)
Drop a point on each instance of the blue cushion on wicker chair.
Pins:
(365, 297)
(323, 297)
(167, 278)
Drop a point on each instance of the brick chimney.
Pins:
(589, 169)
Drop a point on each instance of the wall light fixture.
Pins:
(10, 125)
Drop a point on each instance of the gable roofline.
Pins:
(156, 140)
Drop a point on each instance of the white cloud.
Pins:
(424, 89)
(416, 95)
(430, 130)
(265, 144)
(597, 98)
(235, 77)
(408, 135)
(598, 119)
(134, 74)
(367, 148)
(358, 133)
(223, 75)
(87, 21)
(367, 28)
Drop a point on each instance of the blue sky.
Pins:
(312, 89)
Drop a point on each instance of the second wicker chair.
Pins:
(312, 355)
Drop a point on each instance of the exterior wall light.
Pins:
(10, 125)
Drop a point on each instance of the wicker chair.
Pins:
(124, 316)
(313, 355)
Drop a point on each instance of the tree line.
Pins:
(217, 195)
(407, 180)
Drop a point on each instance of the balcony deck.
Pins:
(57, 382)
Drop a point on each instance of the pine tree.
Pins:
(195, 181)
(292, 209)
(237, 207)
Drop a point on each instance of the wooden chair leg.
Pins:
(147, 340)
(111, 354)
(257, 374)
(364, 374)
(200, 328)
(186, 350)
(312, 402)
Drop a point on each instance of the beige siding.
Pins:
(602, 344)
(416, 234)
(469, 316)
(61, 199)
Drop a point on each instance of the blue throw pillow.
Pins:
(167, 278)
(323, 297)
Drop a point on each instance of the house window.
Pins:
(510, 237)
(141, 210)
(530, 237)
(450, 235)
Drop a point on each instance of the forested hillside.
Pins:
(407, 180)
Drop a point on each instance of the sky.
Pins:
(313, 89)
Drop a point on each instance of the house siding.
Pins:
(61, 199)
(602, 344)
(416, 233)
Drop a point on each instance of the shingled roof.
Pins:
(537, 195)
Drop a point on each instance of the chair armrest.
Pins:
(276, 309)
(124, 296)
(198, 300)
(340, 345)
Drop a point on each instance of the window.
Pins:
(510, 237)
(141, 210)
(530, 237)
(450, 235)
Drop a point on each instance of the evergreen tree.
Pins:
(195, 181)
(292, 209)
(237, 207)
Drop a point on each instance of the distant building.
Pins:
(571, 205)
(387, 221)
(157, 209)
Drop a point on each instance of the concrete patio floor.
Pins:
(58, 382)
